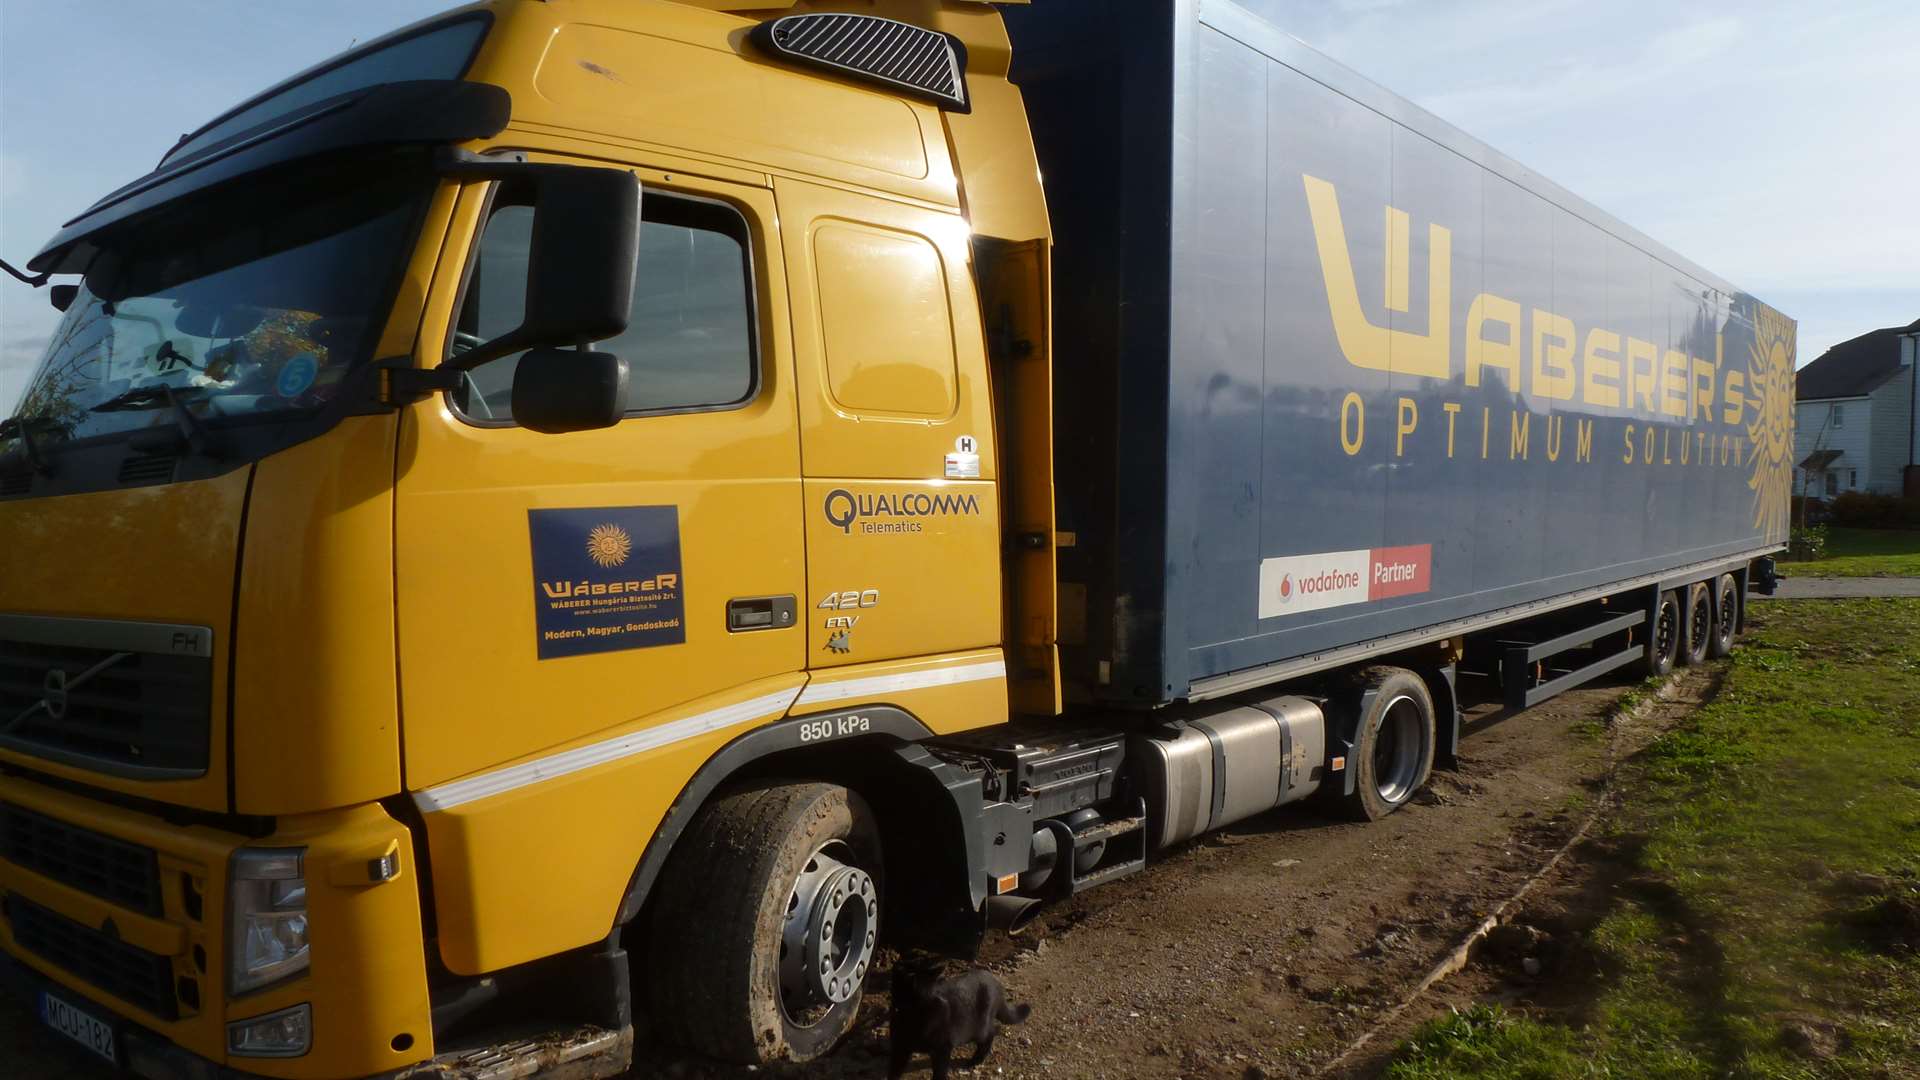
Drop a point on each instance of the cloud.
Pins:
(1581, 83)
(18, 355)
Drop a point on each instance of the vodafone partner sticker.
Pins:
(1296, 583)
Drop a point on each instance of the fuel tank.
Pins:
(1219, 767)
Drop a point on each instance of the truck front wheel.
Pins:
(1392, 745)
(765, 924)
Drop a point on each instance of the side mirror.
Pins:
(61, 296)
(560, 390)
(580, 265)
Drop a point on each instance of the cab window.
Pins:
(689, 342)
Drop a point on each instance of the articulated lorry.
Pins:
(600, 515)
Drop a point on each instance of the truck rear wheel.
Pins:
(1726, 615)
(765, 924)
(1393, 743)
(1698, 629)
(1663, 637)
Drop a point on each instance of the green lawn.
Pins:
(1864, 553)
(1777, 882)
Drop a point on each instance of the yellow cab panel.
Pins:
(158, 555)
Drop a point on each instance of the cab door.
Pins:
(902, 513)
(553, 587)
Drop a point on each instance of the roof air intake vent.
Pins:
(918, 62)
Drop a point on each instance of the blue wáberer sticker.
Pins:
(606, 579)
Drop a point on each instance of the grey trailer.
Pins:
(1347, 380)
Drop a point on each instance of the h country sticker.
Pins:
(1293, 584)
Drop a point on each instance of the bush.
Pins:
(1810, 510)
(1859, 510)
(1807, 545)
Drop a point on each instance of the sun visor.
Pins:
(428, 112)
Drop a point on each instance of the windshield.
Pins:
(249, 308)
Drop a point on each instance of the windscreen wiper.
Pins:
(191, 429)
(21, 427)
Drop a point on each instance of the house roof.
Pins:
(1820, 459)
(1856, 367)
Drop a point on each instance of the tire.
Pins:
(1393, 743)
(1663, 637)
(1726, 616)
(1697, 637)
(766, 881)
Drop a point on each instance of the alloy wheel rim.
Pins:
(827, 937)
(1396, 750)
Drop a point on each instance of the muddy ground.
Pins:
(1260, 951)
(1266, 949)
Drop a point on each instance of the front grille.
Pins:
(115, 870)
(131, 712)
(102, 960)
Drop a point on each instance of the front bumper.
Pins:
(141, 1051)
(151, 959)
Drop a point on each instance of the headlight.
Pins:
(266, 917)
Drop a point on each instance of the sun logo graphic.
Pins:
(609, 545)
(1770, 376)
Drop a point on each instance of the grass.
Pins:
(1865, 553)
(1761, 832)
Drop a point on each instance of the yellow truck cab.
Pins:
(371, 693)
(573, 518)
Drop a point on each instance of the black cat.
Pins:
(935, 1013)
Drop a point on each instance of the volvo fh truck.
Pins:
(589, 516)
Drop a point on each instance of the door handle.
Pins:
(759, 613)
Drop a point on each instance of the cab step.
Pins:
(584, 1053)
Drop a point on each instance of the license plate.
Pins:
(96, 1035)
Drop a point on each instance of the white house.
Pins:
(1855, 420)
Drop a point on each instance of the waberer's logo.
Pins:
(1770, 374)
(894, 513)
(609, 545)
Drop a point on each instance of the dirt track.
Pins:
(1259, 951)
(1266, 949)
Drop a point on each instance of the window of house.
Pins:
(1836, 416)
(1853, 478)
(689, 342)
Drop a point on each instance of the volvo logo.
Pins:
(55, 691)
(54, 700)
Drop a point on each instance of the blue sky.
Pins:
(1775, 143)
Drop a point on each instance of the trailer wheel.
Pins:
(1698, 626)
(1663, 637)
(1393, 743)
(765, 924)
(1726, 615)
